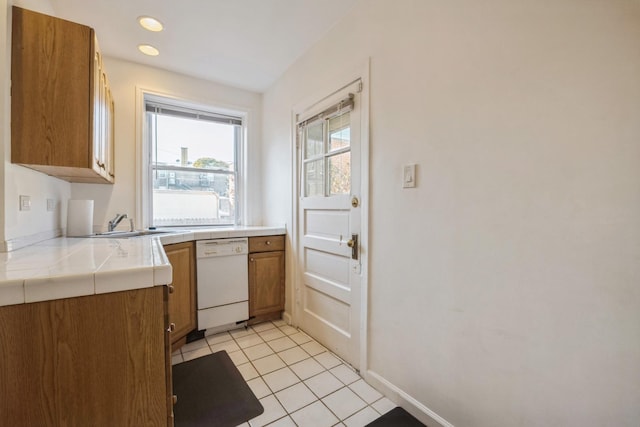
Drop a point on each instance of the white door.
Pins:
(328, 286)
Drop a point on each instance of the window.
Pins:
(193, 165)
(327, 151)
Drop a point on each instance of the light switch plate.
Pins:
(25, 203)
(408, 176)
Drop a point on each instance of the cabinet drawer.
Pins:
(266, 243)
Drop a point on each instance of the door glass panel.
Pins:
(340, 174)
(314, 178)
(339, 132)
(313, 145)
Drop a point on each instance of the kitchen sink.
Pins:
(127, 234)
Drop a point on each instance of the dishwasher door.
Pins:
(223, 282)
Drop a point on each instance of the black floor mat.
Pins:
(211, 392)
(397, 417)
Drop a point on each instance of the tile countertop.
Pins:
(72, 267)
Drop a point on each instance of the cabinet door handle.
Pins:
(172, 327)
(251, 259)
(171, 289)
(174, 399)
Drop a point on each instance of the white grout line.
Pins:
(318, 399)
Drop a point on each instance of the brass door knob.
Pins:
(351, 243)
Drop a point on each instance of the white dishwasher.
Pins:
(223, 282)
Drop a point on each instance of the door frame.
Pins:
(329, 87)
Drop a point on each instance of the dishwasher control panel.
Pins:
(221, 247)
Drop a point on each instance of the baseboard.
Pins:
(286, 317)
(401, 398)
(223, 328)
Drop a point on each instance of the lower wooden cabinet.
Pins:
(266, 278)
(182, 301)
(95, 360)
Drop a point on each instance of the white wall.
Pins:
(124, 77)
(504, 288)
(23, 227)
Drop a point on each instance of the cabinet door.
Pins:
(59, 100)
(104, 125)
(182, 302)
(96, 108)
(50, 103)
(266, 283)
(111, 138)
(97, 360)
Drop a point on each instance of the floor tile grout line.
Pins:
(318, 399)
(235, 340)
(300, 381)
(344, 385)
(253, 331)
(276, 352)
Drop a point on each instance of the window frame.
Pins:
(144, 169)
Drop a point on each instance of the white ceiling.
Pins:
(242, 43)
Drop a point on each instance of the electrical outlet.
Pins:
(51, 205)
(25, 203)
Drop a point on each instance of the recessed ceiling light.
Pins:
(149, 23)
(147, 49)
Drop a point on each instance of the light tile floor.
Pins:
(297, 380)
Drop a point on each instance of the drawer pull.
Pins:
(268, 242)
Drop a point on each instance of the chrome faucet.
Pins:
(115, 221)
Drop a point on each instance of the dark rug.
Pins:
(211, 392)
(397, 417)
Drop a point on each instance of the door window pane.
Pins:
(314, 142)
(340, 174)
(339, 132)
(314, 178)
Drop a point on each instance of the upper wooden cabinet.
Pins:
(61, 106)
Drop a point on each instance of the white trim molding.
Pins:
(403, 399)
